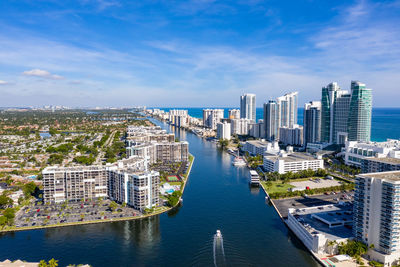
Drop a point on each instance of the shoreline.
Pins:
(158, 212)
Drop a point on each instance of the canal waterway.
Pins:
(217, 196)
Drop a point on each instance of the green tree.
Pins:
(9, 213)
(3, 220)
(43, 263)
(113, 206)
(29, 189)
(5, 201)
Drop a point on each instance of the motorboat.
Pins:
(218, 234)
(238, 161)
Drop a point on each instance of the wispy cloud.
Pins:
(3, 82)
(42, 74)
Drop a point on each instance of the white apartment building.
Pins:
(257, 130)
(240, 126)
(355, 151)
(291, 136)
(160, 151)
(294, 162)
(234, 114)
(248, 107)
(256, 147)
(224, 130)
(211, 117)
(377, 215)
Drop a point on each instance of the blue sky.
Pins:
(194, 53)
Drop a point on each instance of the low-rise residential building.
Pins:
(291, 162)
(355, 151)
(255, 147)
(317, 226)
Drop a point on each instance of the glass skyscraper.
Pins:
(359, 123)
(248, 107)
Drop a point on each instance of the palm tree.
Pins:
(42, 263)
(53, 263)
(331, 244)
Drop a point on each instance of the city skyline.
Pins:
(167, 53)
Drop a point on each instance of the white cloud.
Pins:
(3, 82)
(42, 74)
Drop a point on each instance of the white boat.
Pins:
(238, 161)
(218, 234)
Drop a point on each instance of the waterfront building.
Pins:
(255, 147)
(139, 189)
(291, 136)
(359, 123)
(74, 183)
(211, 117)
(271, 120)
(160, 151)
(248, 107)
(332, 221)
(148, 134)
(376, 215)
(312, 122)
(224, 130)
(355, 152)
(291, 162)
(234, 114)
(240, 126)
(175, 114)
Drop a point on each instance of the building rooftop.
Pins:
(393, 176)
(295, 156)
(258, 143)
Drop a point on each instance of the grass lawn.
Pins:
(277, 187)
(174, 183)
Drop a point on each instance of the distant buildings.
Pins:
(291, 162)
(224, 130)
(240, 126)
(312, 122)
(248, 107)
(257, 129)
(376, 215)
(211, 117)
(345, 116)
(291, 136)
(359, 124)
(234, 114)
(280, 113)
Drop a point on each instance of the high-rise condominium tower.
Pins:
(344, 115)
(271, 120)
(248, 107)
(280, 113)
(288, 109)
(359, 122)
(312, 122)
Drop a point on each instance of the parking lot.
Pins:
(317, 200)
(41, 215)
(316, 183)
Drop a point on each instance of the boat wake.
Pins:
(218, 250)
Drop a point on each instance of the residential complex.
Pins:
(248, 107)
(380, 165)
(240, 126)
(291, 162)
(376, 214)
(234, 114)
(271, 120)
(74, 183)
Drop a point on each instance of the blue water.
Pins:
(385, 121)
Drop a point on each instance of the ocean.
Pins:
(385, 121)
